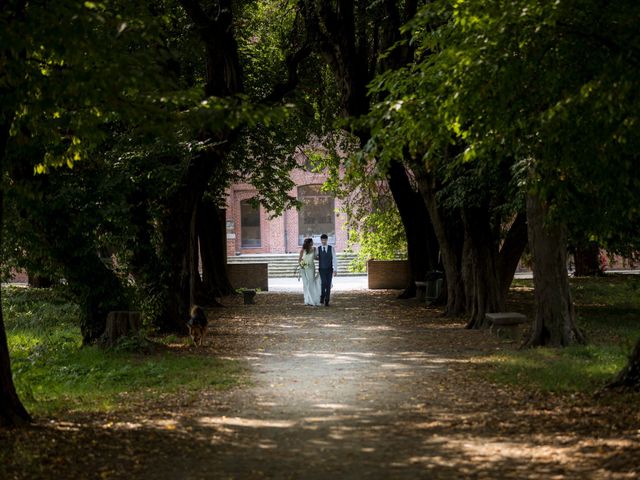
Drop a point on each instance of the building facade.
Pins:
(250, 231)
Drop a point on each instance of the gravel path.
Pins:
(369, 388)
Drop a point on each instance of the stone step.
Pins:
(284, 265)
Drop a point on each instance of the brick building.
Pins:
(250, 231)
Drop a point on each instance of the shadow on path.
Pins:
(371, 387)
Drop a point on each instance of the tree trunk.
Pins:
(450, 235)
(511, 251)
(12, 412)
(492, 271)
(212, 235)
(483, 287)
(587, 260)
(224, 78)
(95, 288)
(554, 323)
(175, 249)
(195, 282)
(177, 245)
(629, 376)
(422, 244)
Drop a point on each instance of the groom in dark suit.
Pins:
(327, 267)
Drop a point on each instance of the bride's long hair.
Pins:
(307, 245)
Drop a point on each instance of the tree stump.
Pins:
(248, 296)
(120, 324)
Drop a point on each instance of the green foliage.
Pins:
(608, 309)
(546, 88)
(374, 222)
(131, 91)
(504, 98)
(53, 373)
(380, 236)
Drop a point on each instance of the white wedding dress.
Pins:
(310, 281)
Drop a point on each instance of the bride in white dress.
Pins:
(310, 281)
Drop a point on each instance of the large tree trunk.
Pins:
(492, 270)
(212, 235)
(422, 244)
(450, 235)
(12, 412)
(483, 288)
(629, 376)
(179, 241)
(224, 79)
(554, 323)
(176, 250)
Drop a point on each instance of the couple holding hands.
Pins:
(317, 289)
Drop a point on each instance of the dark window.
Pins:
(317, 215)
(249, 225)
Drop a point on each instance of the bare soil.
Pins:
(370, 387)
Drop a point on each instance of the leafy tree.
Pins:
(153, 141)
(478, 218)
(351, 38)
(546, 92)
(56, 87)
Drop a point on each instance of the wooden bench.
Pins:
(506, 324)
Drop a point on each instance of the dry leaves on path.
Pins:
(371, 387)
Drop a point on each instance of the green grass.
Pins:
(54, 373)
(608, 311)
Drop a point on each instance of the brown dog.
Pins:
(197, 325)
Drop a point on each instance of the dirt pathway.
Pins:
(371, 387)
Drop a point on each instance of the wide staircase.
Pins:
(284, 265)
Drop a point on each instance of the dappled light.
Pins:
(406, 404)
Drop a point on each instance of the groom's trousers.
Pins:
(326, 276)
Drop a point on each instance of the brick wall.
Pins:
(249, 275)
(280, 234)
(393, 274)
